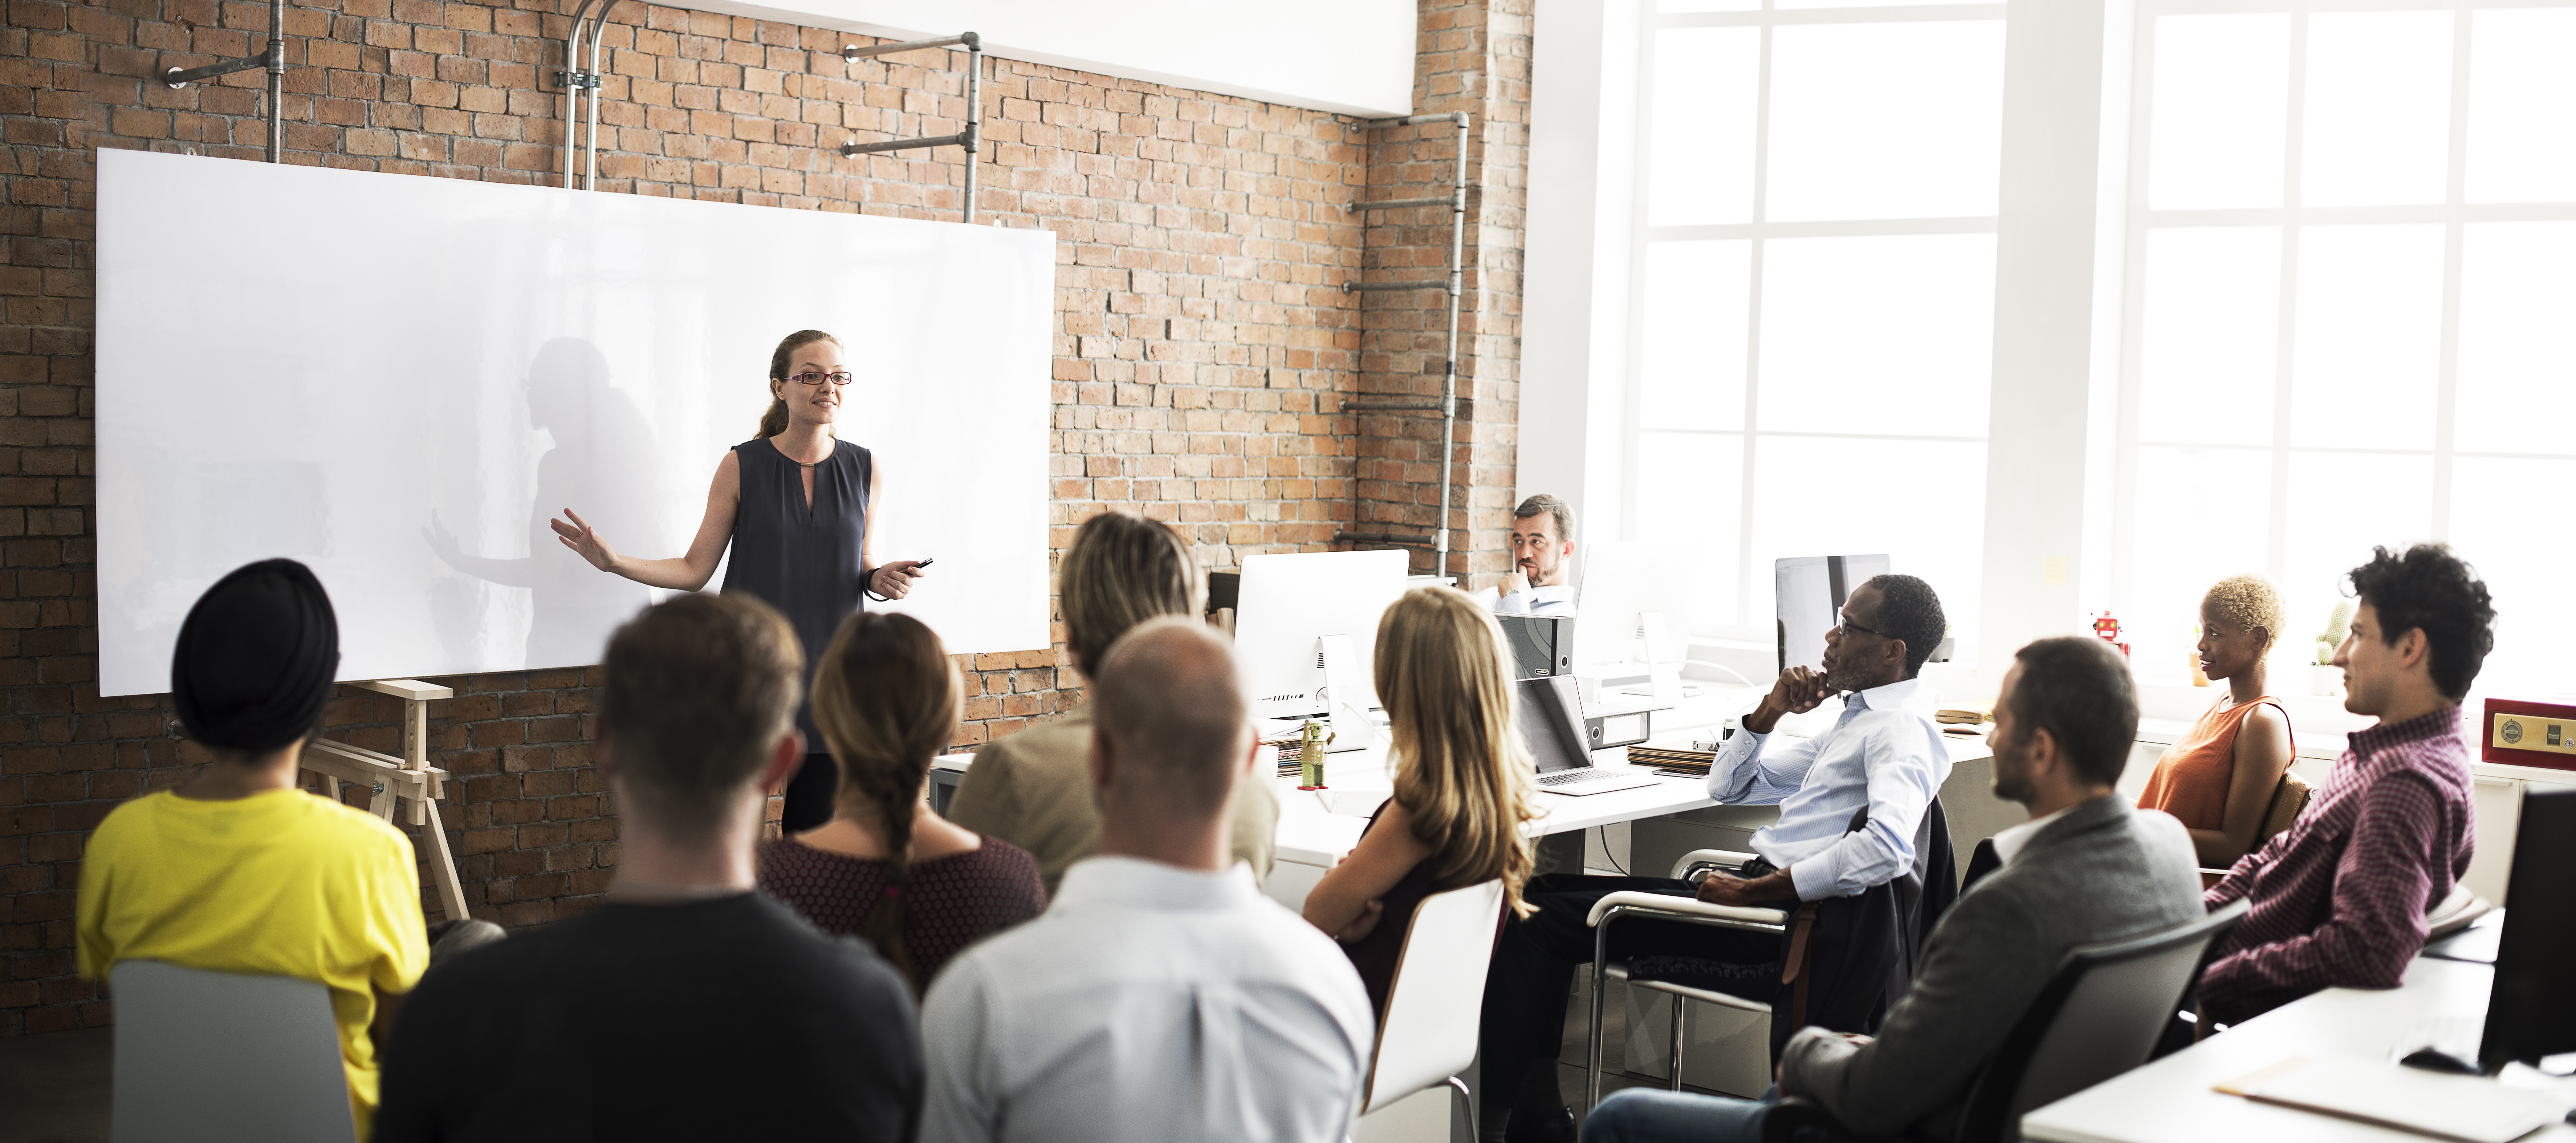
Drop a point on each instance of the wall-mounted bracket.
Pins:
(972, 138)
(271, 57)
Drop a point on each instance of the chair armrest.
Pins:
(1682, 907)
(1722, 857)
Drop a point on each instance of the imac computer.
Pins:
(1812, 591)
(2531, 1010)
(1292, 610)
(1623, 579)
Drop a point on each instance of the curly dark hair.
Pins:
(1908, 610)
(2430, 590)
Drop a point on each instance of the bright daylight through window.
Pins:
(2351, 276)
(1814, 261)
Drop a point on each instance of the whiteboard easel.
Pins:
(392, 779)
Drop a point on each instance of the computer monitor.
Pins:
(1549, 712)
(1622, 579)
(1286, 602)
(1811, 594)
(2531, 1008)
(1540, 644)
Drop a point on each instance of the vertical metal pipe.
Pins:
(598, 81)
(572, 85)
(1449, 377)
(276, 80)
(974, 117)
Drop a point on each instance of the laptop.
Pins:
(1549, 711)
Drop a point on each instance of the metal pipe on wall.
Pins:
(1455, 286)
(272, 57)
(590, 139)
(577, 79)
(972, 138)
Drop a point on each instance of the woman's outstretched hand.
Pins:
(582, 538)
(894, 580)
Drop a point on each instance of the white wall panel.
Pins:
(1350, 56)
(352, 369)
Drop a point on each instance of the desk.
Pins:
(2170, 1101)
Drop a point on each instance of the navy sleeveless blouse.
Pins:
(802, 561)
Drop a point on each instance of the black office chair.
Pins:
(2098, 1017)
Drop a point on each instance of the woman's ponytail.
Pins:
(774, 421)
(885, 698)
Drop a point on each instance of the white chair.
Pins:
(1428, 1034)
(1664, 907)
(214, 1057)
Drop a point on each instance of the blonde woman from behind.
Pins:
(1462, 787)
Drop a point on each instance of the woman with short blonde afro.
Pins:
(2221, 777)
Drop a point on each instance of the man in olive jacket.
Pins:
(2087, 867)
(1033, 789)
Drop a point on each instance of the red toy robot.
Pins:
(2109, 629)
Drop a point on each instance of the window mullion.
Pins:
(2285, 347)
(2454, 239)
(1753, 327)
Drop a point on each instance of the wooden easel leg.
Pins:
(442, 865)
(383, 804)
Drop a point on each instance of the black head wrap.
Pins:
(256, 657)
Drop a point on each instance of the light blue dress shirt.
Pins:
(1885, 752)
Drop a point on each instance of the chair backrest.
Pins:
(220, 1056)
(2289, 800)
(2099, 1016)
(1428, 1032)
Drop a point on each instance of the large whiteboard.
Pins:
(397, 380)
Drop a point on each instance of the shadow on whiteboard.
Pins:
(603, 460)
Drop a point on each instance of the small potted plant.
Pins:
(2323, 677)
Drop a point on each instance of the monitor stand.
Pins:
(1354, 728)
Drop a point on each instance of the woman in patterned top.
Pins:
(885, 867)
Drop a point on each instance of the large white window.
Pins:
(1813, 280)
(2350, 311)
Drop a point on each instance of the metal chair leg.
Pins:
(1592, 1048)
(1676, 1059)
(1467, 1103)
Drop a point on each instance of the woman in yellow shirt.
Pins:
(237, 870)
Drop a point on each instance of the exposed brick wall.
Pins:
(1203, 343)
(1473, 56)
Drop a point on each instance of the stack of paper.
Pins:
(2473, 1108)
(1674, 754)
(1970, 715)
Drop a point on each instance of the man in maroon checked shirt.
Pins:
(2339, 898)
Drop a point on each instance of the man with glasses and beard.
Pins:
(1856, 858)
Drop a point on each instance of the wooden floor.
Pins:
(54, 1086)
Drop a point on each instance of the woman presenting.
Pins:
(793, 502)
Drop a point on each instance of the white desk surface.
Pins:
(2170, 1101)
(1320, 827)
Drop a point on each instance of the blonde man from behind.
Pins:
(1033, 789)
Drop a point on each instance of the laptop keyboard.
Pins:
(1574, 777)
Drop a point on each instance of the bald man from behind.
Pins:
(1161, 996)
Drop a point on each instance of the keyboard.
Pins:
(1591, 780)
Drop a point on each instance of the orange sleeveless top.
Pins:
(2191, 778)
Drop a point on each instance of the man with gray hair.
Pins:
(1161, 996)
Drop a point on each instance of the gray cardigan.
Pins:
(2102, 872)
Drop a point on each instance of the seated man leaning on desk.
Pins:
(2338, 899)
(2086, 867)
(1850, 801)
(1541, 581)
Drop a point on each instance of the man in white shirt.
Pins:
(1541, 581)
(1161, 996)
(1853, 803)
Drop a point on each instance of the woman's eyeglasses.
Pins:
(819, 378)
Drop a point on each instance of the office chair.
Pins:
(2099, 1016)
(1613, 907)
(1428, 1034)
(217, 1057)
